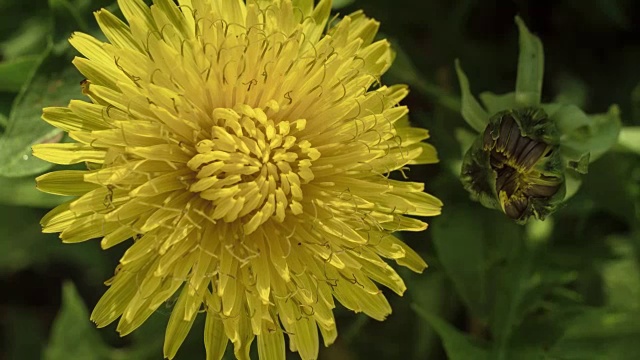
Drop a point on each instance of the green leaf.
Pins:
(456, 344)
(495, 103)
(621, 277)
(530, 67)
(471, 110)
(508, 299)
(568, 118)
(73, 336)
(613, 11)
(31, 38)
(582, 133)
(146, 342)
(572, 181)
(519, 285)
(462, 255)
(629, 138)
(598, 137)
(600, 334)
(571, 90)
(24, 333)
(3, 123)
(465, 138)
(68, 17)
(26, 245)
(54, 84)
(22, 191)
(15, 73)
(423, 290)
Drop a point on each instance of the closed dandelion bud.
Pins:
(515, 165)
(527, 156)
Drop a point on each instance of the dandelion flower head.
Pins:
(246, 149)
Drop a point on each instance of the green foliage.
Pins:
(457, 345)
(461, 251)
(565, 288)
(73, 336)
(53, 83)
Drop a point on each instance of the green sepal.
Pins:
(530, 68)
(478, 178)
(495, 103)
(629, 139)
(471, 110)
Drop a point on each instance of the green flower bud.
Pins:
(515, 165)
(528, 157)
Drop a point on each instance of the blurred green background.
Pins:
(566, 288)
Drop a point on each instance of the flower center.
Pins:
(252, 167)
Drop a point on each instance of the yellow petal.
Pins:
(215, 340)
(271, 343)
(178, 326)
(65, 182)
(67, 154)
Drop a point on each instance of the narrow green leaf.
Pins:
(16, 73)
(462, 254)
(73, 336)
(530, 67)
(456, 344)
(471, 110)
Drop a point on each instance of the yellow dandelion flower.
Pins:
(246, 150)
